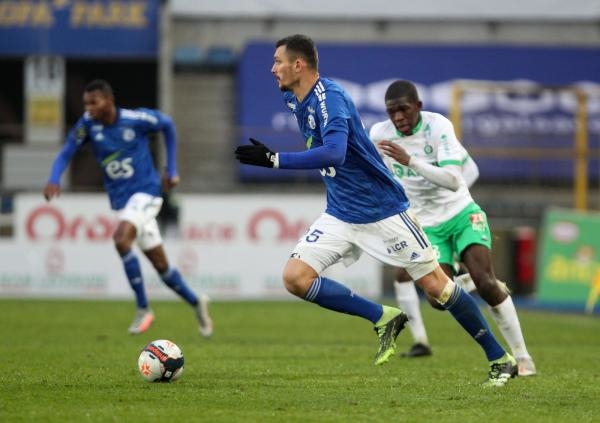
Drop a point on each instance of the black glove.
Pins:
(257, 154)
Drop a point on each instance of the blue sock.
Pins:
(466, 312)
(172, 278)
(134, 275)
(333, 295)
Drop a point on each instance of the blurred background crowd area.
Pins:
(519, 79)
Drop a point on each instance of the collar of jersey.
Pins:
(309, 94)
(416, 129)
(116, 120)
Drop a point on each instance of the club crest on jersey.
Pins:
(428, 149)
(99, 137)
(311, 122)
(128, 134)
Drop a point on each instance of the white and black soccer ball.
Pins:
(161, 361)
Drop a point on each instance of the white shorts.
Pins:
(398, 241)
(141, 211)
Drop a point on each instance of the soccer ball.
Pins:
(161, 361)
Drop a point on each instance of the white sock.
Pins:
(505, 316)
(408, 300)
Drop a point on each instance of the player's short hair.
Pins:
(100, 85)
(402, 88)
(301, 46)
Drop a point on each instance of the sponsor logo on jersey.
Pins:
(99, 137)
(320, 93)
(310, 110)
(80, 134)
(309, 142)
(393, 248)
(139, 115)
(477, 221)
(477, 218)
(291, 106)
(427, 130)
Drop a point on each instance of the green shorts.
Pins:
(451, 238)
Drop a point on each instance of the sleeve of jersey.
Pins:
(448, 176)
(375, 137)
(170, 137)
(450, 151)
(331, 153)
(470, 171)
(332, 120)
(74, 140)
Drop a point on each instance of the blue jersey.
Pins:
(122, 151)
(362, 189)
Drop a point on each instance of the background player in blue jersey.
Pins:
(119, 141)
(366, 210)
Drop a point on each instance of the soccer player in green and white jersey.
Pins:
(422, 151)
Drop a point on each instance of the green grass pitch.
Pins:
(73, 361)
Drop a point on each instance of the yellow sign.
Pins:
(97, 14)
(44, 111)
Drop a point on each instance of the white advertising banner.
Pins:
(229, 246)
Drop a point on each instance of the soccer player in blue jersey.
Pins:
(119, 141)
(366, 210)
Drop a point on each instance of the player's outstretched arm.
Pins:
(170, 139)
(169, 182)
(51, 190)
(331, 153)
(256, 154)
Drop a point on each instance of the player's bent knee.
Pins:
(488, 286)
(434, 282)
(297, 277)
(122, 244)
(435, 304)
